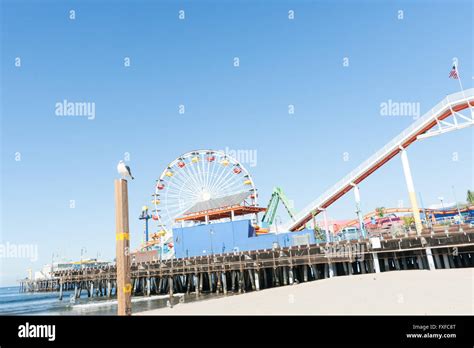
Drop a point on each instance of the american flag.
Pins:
(454, 73)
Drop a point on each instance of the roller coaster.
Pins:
(432, 123)
(429, 214)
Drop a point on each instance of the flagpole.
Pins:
(460, 85)
(459, 76)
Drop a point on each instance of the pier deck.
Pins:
(450, 247)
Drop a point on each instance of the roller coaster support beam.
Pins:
(411, 190)
(358, 210)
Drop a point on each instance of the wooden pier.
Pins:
(240, 272)
(45, 285)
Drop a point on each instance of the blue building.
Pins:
(226, 237)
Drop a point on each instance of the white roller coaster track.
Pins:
(431, 123)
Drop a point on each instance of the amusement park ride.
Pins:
(207, 186)
(277, 197)
(198, 187)
(432, 123)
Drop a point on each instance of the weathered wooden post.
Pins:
(109, 288)
(290, 275)
(251, 278)
(196, 283)
(219, 279)
(242, 284)
(209, 278)
(190, 282)
(241, 276)
(224, 282)
(171, 283)
(387, 266)
(60, 289)
(146, 285)
(124, 287)
(285, 280)
(232, 278)
(201, 281)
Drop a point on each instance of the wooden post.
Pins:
(251, 278)
(224, 282)
(60, 290)
(171, 282)
(314, 271)
(124, 287)
(219, 284)
(109, 288)
(209, 278)
(376, 266)
(201, 281)
(232, 278)
(257, 279)
(290, 275)
(196, 283)
(189, 280)
(148, 286)
(285, 281)
(241, 280)
(362, 266)
(387, 266)
(160, 285)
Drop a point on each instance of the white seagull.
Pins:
(124, 170)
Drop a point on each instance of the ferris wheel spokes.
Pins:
(198, 176)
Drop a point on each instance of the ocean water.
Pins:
(12, 302)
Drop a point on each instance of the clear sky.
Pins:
(190, 62)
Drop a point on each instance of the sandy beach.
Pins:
(448, 291)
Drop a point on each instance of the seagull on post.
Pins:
(124, 170)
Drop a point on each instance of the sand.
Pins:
(448, 291)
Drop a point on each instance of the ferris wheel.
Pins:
(198, 176)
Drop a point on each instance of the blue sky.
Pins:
(190, 62)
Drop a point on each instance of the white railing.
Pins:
(440, 108)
